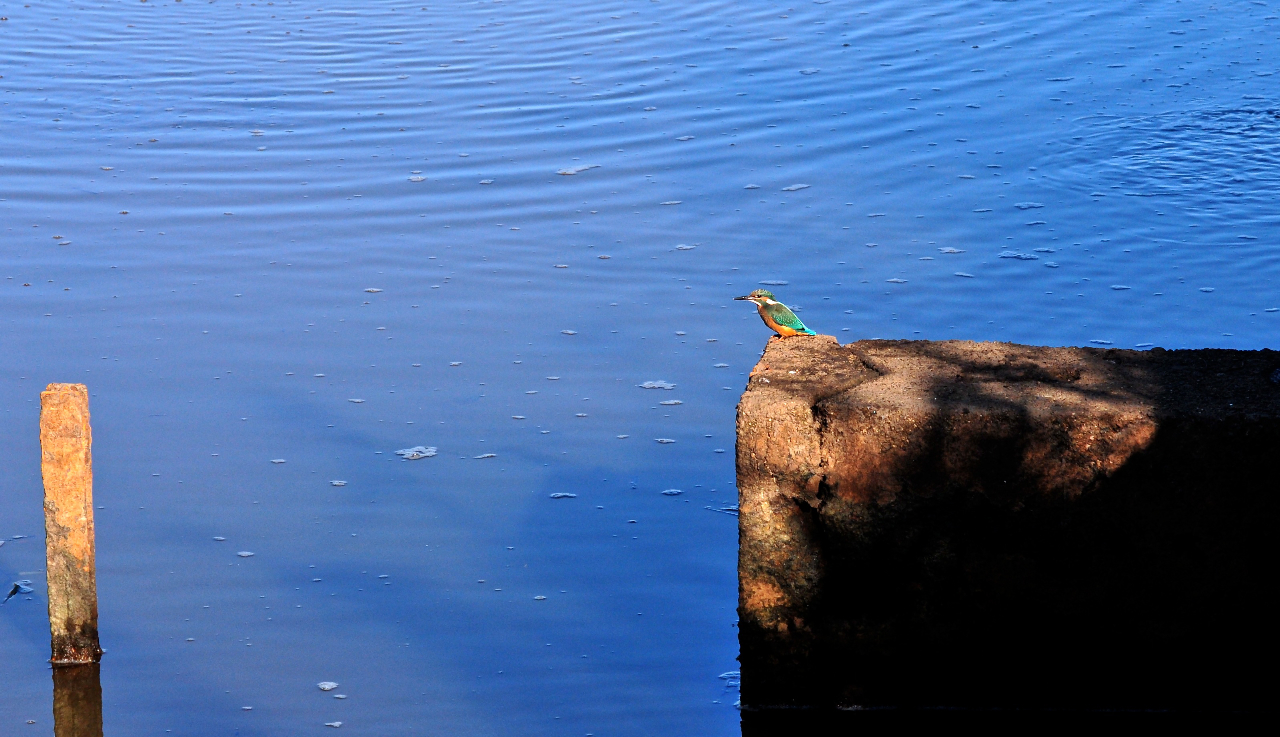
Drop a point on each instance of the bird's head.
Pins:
(759, 296)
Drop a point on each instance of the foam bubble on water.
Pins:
(485, 455)
(685, 138)
(327, 685)
(795, 187)
(775, 283)
(245, 554)
(896, 281)
(1018, 255)
(669, 402)
(563, 495)
(416, 452)
(336, 482)
(672, 492)
(671, 202)
(752, 186)
(1119, 287)
(664, 441)
(964, 274)
(657, 385)
(19, 587)
(571, 170)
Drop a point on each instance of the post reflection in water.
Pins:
(77, 701)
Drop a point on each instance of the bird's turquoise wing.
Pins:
(785, 317)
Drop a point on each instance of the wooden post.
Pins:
(67, 467)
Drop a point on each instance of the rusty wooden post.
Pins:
(66, 465)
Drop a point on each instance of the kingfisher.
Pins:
(776, 315)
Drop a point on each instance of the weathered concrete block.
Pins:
(958, 523)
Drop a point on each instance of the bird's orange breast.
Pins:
(782, 330)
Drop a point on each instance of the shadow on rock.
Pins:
(993, 525)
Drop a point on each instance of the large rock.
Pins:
(988, 524)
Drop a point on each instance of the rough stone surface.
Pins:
(989, 524)
(66, 464)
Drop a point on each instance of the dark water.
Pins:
(1108, 172)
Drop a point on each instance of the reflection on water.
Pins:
(77, 701)
(321, 233)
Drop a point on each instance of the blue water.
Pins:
(197, 198)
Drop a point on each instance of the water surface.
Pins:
(321, 232)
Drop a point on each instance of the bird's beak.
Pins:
(742, 297)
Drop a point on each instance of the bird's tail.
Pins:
(807, 331)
